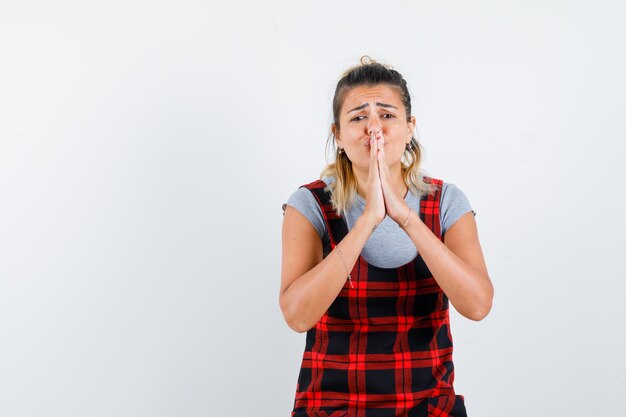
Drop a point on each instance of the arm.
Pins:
(309, 285)
(457, 264)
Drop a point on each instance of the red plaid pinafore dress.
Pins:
(383, 348)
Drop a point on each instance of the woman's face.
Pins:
(368, 109)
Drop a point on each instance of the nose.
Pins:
(373, 124)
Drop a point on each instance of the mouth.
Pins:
(367, 142)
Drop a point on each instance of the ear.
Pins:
(335, 131)
(411, 127)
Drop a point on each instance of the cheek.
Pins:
(396, 133)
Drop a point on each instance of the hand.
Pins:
(395, 206)
(374, 201)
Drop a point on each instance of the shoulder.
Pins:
(303, 199)
(454, 204)
(452, 192)
(314, 185)
(303, 196)
(429, 187)
(427, 179)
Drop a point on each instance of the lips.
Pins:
(367, 144)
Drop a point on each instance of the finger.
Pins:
(381, 152)
(382, 168)
(381, 138)
(380, 142)
(374, 150)
(382, 162)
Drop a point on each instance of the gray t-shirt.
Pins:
(388, 246)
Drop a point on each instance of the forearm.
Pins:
(469, 290)
(307, 299)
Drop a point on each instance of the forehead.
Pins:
(380, 92)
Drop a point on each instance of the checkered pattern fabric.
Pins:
(383, 348)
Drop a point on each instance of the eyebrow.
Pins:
(362, 106)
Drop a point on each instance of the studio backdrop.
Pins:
(146, 149)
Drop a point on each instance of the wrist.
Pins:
(368, 221)
(407, 215)
(401, 215)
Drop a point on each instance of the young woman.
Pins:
(373, 252)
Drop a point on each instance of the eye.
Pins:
(357, 118)
(388, 116)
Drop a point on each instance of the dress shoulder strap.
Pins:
(335, 224)
(430, 205)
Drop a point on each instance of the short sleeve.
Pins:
(304, 201)
(454, 204)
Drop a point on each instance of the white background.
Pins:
(146, 149)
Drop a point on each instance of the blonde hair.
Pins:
(344, 189)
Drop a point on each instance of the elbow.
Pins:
(292, 318)
(296, 325)
(482, 308)
(479, 313)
